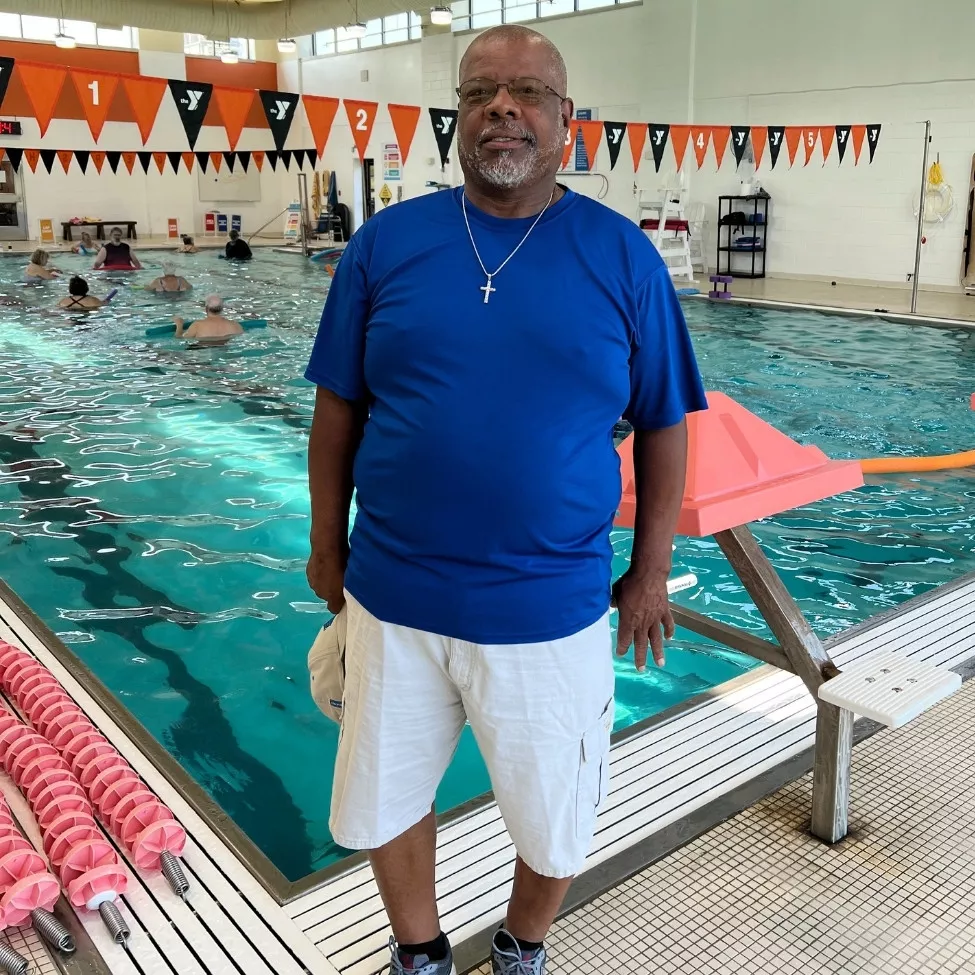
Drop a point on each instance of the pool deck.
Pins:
(674, 777)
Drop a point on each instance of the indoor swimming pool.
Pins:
(154, 512)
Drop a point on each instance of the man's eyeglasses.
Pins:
(525, 91)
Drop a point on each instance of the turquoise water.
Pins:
(153, 511)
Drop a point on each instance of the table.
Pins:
(67, 226)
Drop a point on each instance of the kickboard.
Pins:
(170, 327)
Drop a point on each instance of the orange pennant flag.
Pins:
(679, 135)
(793, 135)
(859, 133)
(159, 158)
(570, 141)
(759, 141)
(129, 159)
(636, 132)
(145, 96)
(95, 91)
(43, 84)
(33, 157)
(234, 105)
(361, 115)
(188, 159)
(592, 134)
(720, 137)
(64, 157)
(700, 135)
(320, 112)
(216, 160)
(98, 158)
(809, 138)
(404, 119)
(826, 135)
(258, 158)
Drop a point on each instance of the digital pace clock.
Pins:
(9, 126)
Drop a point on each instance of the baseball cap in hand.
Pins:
(326, 667)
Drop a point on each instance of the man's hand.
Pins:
(644, 612)
(326, 576)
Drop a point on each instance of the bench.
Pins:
(67, 227)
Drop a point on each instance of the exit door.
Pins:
(13, 213)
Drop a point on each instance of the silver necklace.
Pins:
(487, 289)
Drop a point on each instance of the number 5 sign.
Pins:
(361, 115)
(95, 92)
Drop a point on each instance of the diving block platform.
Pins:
(741, 469)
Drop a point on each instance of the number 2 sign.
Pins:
(362, 116)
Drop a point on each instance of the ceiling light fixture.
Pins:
(287, 45)
(441, 16)
(64, 40)
(357, 28)
(229, 57)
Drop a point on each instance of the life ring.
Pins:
(939, 201)
(906, 465)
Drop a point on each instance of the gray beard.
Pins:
(503, 170)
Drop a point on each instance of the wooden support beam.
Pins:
(831, 772)
(731, 636)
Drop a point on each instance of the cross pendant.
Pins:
(487, 289)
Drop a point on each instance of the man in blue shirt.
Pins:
(475, 351)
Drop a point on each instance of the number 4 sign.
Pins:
(362, 116)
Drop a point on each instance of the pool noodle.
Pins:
(168, 329)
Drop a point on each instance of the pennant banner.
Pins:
(6, 72)
(873, 137)
(95, 92)
(216, 160)
(234, 105)
(637, 134)
(188, 159)
(285, 157)
(405, 119)
(679, 137)
(244, 158)
(159, 158)
(826, 135)
(279, 110)
(858, 133)
(259, 160)
(810, 137)
(33, 157)
(98, 158)
(192, 100)
(592, 135)
(759, 140)
(64, 157)
(43, 84)
(568, 145)
(114, 158)
(272, 158)
(700, 136)
(362, 116)
(128, 158)
(720, 134)
(145, 159)
(776, 138)
(614, 141)
(793, 136)
(320, 113)
(47, 157)
(444, 122)
(16, 157)
(145, 96)
(174, 160)
(659, 134)
(81, 157)
(230, 158)
(739, 142)
(202, 160)
(842, 140)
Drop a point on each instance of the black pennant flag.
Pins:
(174, 160)
(114, 158)
(81, 157)
(285, 156)
(47, 157)
(144, 159)
(192, 99)
(230, 158)
(272, 157)
(659, 134)
(6, 70)
(312, 155)
(279, 109)
(615, 131)
(444, 121)
(15, 156)
(299, 158)
(739, 142)
(776, 139)
(873, 137)
(244, 158)
(202, 160)
(842, 139)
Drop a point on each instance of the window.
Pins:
(32, 28)
(486, 13)
(10, 25)
(343, 42)
(199, 44)
(38, 28)
(555, 8)
(416, 27)
(374, 33)
(391, 29)
(396, 28)
(475, 14)
(323, 42)
(118, 37)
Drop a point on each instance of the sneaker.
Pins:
(508, 959)
(419, 964)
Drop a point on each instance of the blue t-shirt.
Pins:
(487, 480)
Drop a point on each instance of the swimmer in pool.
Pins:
(117, 254)
(78, 298)
(169, 282)
(85, 246)
(237, 249)
(39, 269)
(212, 330)
(187, 246)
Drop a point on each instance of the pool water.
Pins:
(154, 512)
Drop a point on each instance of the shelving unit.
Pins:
(755, 225)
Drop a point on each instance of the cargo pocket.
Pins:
(593, 778)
